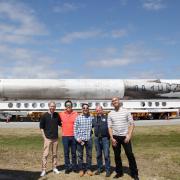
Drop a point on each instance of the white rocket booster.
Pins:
(87, 89)
(61, 88)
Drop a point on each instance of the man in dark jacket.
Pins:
(102, 140)
(49, 128)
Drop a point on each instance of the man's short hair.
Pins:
(51, 102)
(85, 104)
(115, 97)
(99, 106)
(68, 101)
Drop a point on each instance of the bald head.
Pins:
(99, 110)
(116, 102)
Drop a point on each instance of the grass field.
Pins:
(157, 151)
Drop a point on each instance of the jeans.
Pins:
(80, 149)
(102, 145)
(128, 151)
(69, 143)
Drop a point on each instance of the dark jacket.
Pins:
(50, 125)
(100, 126)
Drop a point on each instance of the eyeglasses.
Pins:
(85, 108)
(68, 105)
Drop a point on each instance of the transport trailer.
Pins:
(31, 110)
(153, 108)
(155, 114)
(28, 98)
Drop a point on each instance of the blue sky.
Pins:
(121, 39)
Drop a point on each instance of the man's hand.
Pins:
(79, 141)
(43, 135)
(127, 139)
(114, 142)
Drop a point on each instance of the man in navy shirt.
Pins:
(49, 128)
(102, 140)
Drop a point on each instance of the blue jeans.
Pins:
(80, 149)
(69, 143)
(102, 145)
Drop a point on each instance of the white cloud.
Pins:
(12, 54)
(66, 7)
(147, 74)
(119, 33)
(70, 37)
(35, 72)
(19, 23)
(27, 63)
(6, 28)
(110, 62)
(169, 40)
(12, 38)
(18, 26)
(110, 50)
(131, 54)
(153, 4)
(124, 2)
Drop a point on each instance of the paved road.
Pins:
(157, 122)
(137, 123)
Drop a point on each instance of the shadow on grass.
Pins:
(126, 169)
(6, 174)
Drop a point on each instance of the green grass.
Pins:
(157, 151)
(161, 140)
(28, 142)
(168, 141)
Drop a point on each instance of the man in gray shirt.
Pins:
(121, 125)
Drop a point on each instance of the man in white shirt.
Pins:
(121, 125)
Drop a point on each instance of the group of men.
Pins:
(77, 133)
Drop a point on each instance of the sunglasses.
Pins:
(85, 108)
(68, 105)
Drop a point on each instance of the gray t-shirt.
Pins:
(119, 121)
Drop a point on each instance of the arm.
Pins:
(76, 126)
(114, 142)
(130, 128)
(93, 124)
(42, 132)
(42, 126)
(59, 122)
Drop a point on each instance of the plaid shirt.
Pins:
(83, 127)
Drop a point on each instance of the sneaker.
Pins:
(81, 173)
(56, 171)
(43, 173)
(89, 172)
